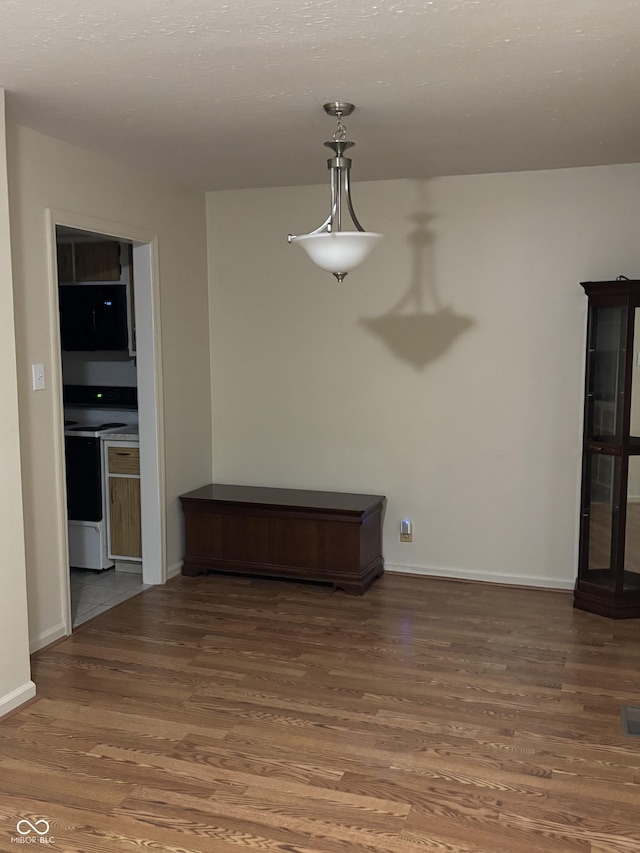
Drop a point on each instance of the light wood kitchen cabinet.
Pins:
(122, 464)
(65, 262)
(103, 262)
(99, 261)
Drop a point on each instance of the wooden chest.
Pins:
(333, 537)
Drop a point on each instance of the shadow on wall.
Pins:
(412, 333)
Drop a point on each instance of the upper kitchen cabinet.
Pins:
(65, 262)
(104, 262)
(98, 261)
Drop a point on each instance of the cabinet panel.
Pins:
(125, 531)
(204, 536)
(246, 539)
(95, 262)
(340, 546)
(98, 261)
(65, 262)
(294, 542)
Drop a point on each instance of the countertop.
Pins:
(120, 434)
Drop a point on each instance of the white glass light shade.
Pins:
(338, 251)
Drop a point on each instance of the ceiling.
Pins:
(219, 94)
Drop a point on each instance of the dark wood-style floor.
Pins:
(226, 714)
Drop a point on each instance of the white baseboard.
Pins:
(174, 570)
(47, 637)
(16, 698)
(485, 577)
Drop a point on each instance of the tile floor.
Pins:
(94, 592)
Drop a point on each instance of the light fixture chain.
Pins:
(340, 133)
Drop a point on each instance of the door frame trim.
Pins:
(150, 401)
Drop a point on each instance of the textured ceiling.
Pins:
(229, 94)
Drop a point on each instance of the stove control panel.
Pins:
(101, 396)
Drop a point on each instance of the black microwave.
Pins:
(93, 317)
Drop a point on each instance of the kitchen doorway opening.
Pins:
(109, 373)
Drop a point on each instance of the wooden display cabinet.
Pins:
(608, 580)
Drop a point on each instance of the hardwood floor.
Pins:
(222, 714)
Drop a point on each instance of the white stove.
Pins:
(92, 414)
(85, 429)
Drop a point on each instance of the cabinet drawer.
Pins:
(124, 460)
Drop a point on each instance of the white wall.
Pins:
(108, 368)
(466, 415)
(46, 173)
(16, 686)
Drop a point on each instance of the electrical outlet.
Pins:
(406, 530)
(37, 371)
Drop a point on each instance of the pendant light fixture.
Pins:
(330, 247)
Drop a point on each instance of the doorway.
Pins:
(97, 587)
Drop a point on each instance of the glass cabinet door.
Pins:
(631, 575)
(600, 515)
(605, 372)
